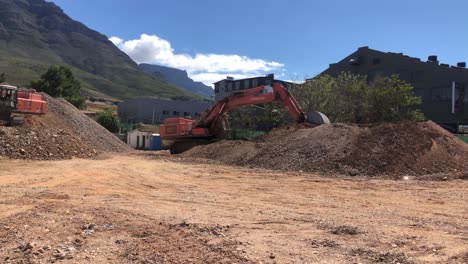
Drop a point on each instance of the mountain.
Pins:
(178, 78)
(35, 34)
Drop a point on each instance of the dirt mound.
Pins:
(64, 132)
(396, 149)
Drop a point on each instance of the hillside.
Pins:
(178, 78)
(35, 34)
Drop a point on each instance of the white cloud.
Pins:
(206, 68)
(116, 40)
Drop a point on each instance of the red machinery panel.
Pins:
(176, 126)
(29, 102)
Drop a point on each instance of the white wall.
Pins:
(132, 139)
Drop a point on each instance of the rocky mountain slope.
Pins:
(35, 34)
(179, 78)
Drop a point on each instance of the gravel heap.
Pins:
(64, 132)
(394, 149)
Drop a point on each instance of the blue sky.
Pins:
(294, 38)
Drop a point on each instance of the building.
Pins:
(443, 88)
(228, 86)
(153, 110)
(144, 138)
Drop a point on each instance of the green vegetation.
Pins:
(349, 98)
(59, 81)
(2, 77)
(109, 120)
(256, 119)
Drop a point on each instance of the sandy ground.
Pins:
(152, 208)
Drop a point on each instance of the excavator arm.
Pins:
(258, 95)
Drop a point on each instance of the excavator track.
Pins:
(184, 145)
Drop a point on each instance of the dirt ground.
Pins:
(153, 208)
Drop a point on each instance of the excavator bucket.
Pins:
(317, 118)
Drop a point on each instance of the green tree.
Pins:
(392, 99)
(109, 120)
(274, 114)
(59, 81)
(2, 77)
(315, 93)
(349, 98)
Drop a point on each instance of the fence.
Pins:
(463, 137)
(245, 134)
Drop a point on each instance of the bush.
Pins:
(107, 119)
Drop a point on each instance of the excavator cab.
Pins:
(8, 101)
(8, 97)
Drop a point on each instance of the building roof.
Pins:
(432, 59)
(272, 76)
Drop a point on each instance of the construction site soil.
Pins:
(387, 149)
(64, 132)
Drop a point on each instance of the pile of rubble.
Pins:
(393, 149)
(64, 132)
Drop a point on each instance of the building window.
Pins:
(460, 99)
(441, 93)
(216, 89)
(176, 113)
(229, 87)
(404, 75)
(417, 76)
(375, 61)
(246, 84)
(165, 112)
(254, 83)
(186, 114)
(237, 85)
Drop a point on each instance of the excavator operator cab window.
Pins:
(3, 93)
(7, 93)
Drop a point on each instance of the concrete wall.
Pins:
(431, 81)
(139, 140)
(149, 109)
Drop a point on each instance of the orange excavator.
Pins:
(14, 103)
(180, 134)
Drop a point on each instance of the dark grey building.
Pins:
(153, 110)
(443, 102)
(228, 86)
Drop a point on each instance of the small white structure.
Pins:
(140, 138)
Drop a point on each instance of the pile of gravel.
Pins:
(393, 149)
(63, 133)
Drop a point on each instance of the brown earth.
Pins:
(390, 149)
(64, 132)
(156, 208)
